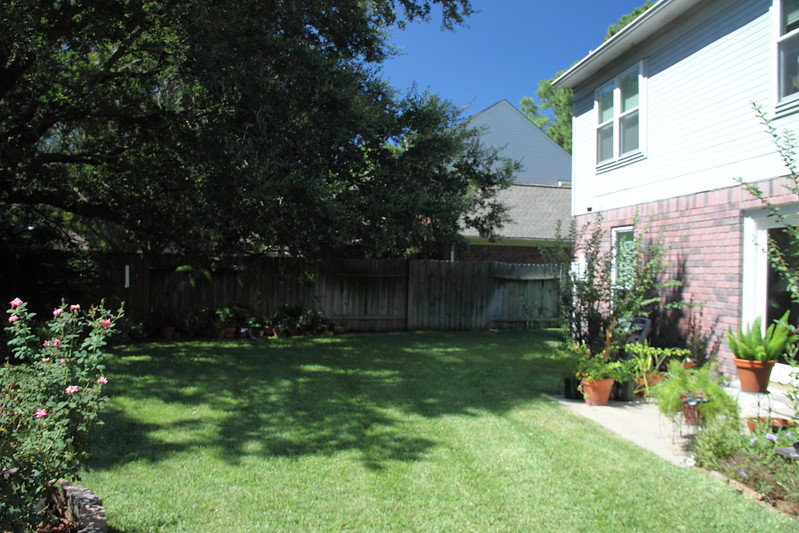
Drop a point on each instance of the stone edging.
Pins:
(81, 506)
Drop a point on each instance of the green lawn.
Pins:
(382, 432)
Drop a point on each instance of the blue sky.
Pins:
(503, 51)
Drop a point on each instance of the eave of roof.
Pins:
(653, 20)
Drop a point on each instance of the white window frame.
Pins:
(615, 84)
(783, 42)
(754, 295)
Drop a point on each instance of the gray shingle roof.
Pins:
(535, 210)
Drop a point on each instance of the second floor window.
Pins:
(789, 47)
(618, 106)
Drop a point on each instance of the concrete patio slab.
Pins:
(641, 423)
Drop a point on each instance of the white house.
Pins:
(505, 128)
(664, 125)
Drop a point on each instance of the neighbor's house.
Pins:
(540, 196)
(663, 125)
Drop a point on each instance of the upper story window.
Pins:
(789, 47)
(618, 105)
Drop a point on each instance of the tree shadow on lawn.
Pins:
(322, 396)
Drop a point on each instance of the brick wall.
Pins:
(704, 235)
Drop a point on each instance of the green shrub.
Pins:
(719, 439)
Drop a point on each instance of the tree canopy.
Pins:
(244, 125)
(558, 122)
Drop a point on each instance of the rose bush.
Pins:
(51, 391)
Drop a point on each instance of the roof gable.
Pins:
(505, 128)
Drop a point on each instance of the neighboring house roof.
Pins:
(657, 18)
(535, 210)
(505, 128)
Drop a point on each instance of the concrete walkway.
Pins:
(641, 422)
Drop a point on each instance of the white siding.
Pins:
(544, 162)
(701, 131)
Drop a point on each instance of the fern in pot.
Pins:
(694, 393)
(756, 353)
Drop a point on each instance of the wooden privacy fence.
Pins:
(362, 295)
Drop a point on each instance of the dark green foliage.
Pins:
(251, 125)
(613, 29)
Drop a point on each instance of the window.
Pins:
(623, 242)
(618, 106)
(788, 45)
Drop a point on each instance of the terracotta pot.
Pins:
(167, 332)
(597, 391)
(230, 332)
(754, 375)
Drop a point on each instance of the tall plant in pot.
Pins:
(597, 372)
(756, 353)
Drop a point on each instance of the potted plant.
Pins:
(625, 385)
(649, 361)
(225, 323)
(755, 353)
(597, 374)
(694, 393)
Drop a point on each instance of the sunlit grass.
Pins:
(382, 432)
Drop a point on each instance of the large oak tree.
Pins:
(231, 125)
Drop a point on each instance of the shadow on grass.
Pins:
(315, 396)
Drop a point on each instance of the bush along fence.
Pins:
(360, 295)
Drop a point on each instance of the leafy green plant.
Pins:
(225, 317)
(651, 359)
(49, 400)
(612, 285)
(718, 440)
(754, 346)
(700, 383)
(598, 366)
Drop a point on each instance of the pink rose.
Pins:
(74, 307)
(16, 302)
(13, 318)
(46, 344)
(62, 360)
(46, 360)
(102, 380)
(106, 323)
(57, 343)
(57, 311)
(41, 413)
(72, 389)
